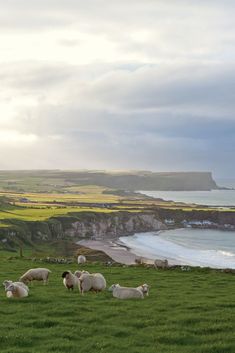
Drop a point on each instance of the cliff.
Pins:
(91, 225)
(219, 217)
(87, 225)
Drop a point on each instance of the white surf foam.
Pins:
(154, 246)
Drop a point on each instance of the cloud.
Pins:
(149, 88)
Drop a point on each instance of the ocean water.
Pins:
(210, 198)
(194, 247)
(226, 182)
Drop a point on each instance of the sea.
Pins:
(187, 246)
(216, 198)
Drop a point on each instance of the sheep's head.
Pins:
(23, 280)
(145, 289)
(65, 274)
(10, 288)
(77, 274)
(6, 283)
(113, 286)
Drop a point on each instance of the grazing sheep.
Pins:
(6, 284)
(144, 289)
(126, 292)
(139, 260)
(37, 274)
(161, 263)
(70, 280)
(91, 282)
(81, 259)
(16, 291)
(79, 273)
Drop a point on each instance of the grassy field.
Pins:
(40, 195)
(186, 312)
(42, 206)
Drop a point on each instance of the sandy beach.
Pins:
(113, 249)
(182, 247)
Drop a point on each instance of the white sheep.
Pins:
(144, 288)
(139, 261)
(126, 292)
(81, 259)
(37, 274)
(70, 280)
(79, 273)
(6, 284)
(161, 263)
(16, 291)
(91, 282)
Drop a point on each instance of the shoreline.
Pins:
(115, 249)
(123, 252)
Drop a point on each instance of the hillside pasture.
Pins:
(186, 312)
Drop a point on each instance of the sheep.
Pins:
(6, 283)
(161, 263)
(16, 291)
(139, 260)
(79, 273)
(126, 292)
(81, 259)
(70, 280)
(144, 288)
(38, 274)
(91, 282)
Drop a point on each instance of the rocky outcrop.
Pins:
(86, 225)
(114, 225)
(179, 215)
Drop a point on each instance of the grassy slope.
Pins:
(185, 312)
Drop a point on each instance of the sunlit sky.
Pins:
(118, 85)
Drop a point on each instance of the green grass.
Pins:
(186, 312)
(33, 214)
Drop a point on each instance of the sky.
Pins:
(128, 84)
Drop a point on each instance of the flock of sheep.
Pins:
(81, 280)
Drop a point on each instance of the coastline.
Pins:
(115, 249)
(126, 251)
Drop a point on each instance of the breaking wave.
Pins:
(203, 253)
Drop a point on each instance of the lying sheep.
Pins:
(16, 291)
(70, 280)
(81, 259)
(91, 282)
(79, 273)
(37, 274)
(6, 284)
(126, 292)
(161, 263)
(144, 288)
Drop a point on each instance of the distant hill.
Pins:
(151, 181)
(57, 180)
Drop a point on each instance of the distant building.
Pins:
(169, 222)
(24, 200)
